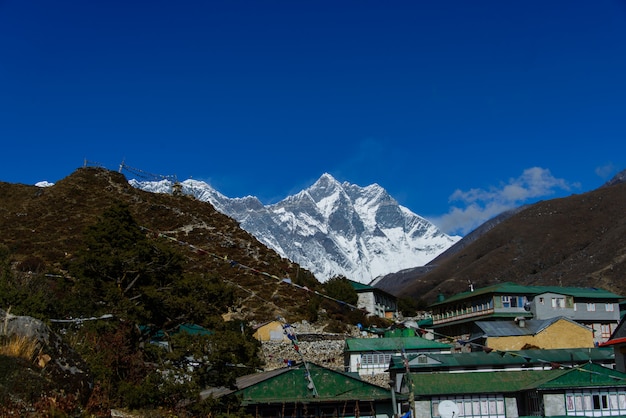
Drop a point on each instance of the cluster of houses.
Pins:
(503, 351)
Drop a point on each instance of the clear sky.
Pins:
(460, 109)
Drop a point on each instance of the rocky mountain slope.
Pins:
(574, 241)
(331, 228)
(42, 228)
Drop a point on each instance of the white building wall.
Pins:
(554, 404)
(422, 409)
(366, 301)
(510, 406)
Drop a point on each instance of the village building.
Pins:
(589, 390)
(618, 343)
(375, 301)
(369, 356)
(557, 332)
(270, 331)
(595, 308)
(494, 360)
(310, 390)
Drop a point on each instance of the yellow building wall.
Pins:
(561, 334)
(272, 331)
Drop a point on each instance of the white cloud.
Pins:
(479, 205)
(605, 171)
(44, 184)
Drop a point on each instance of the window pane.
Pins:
(500, 406)
(475, 408)
(579, 403)
(435, 409)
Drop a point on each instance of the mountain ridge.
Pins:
(43, 229)
(330, 228)
(578, 241)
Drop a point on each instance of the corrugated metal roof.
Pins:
(291, 385)
(506, 287)
(509, 288)
(588, 375)
(613, 342)
(579, 292)
(507, 358)
(242, 383)
(393, 344)
(430, 384)
(512, 328)
(361, 286)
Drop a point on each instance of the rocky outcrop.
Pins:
(58, 362)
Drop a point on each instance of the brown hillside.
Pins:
(42, 227)
(575, 241)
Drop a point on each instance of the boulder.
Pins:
(58, 362)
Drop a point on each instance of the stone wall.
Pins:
(316, 346)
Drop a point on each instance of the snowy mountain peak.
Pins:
(331, 228)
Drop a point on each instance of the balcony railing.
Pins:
(456, 316)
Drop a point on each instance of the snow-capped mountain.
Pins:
(330, 228)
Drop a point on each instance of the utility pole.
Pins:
(393, 399)
(410, 384)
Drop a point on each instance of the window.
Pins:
(375, 360)
(558, 303)
(610, 402)
(605, 331)
(489, 406)
(591, 307)
(512, 301)
(609, 307)
(600, 401)
(541, 300)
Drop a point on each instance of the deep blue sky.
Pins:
(458, 108)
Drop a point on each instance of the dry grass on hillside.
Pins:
(18, 346)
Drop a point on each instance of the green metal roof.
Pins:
(361, 286)
(292, 385)
(509, 288)
(393, 344)
(589, 375)
(507, 358)
(194, 329)
(430, 384)
(580, 292)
